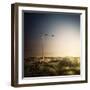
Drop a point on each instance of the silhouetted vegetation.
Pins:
(35, 67)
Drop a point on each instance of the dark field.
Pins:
(51, 66)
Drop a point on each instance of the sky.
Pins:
(57, 34)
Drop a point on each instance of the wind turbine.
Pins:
(42, 36)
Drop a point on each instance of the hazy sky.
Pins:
(64, 26)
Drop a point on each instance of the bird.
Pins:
(52, 35)
(46, 34)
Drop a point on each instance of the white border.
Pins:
(55, 78)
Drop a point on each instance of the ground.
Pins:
(57, 66)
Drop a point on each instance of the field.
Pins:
(51, 66)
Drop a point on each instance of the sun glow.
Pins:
(64, 43)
